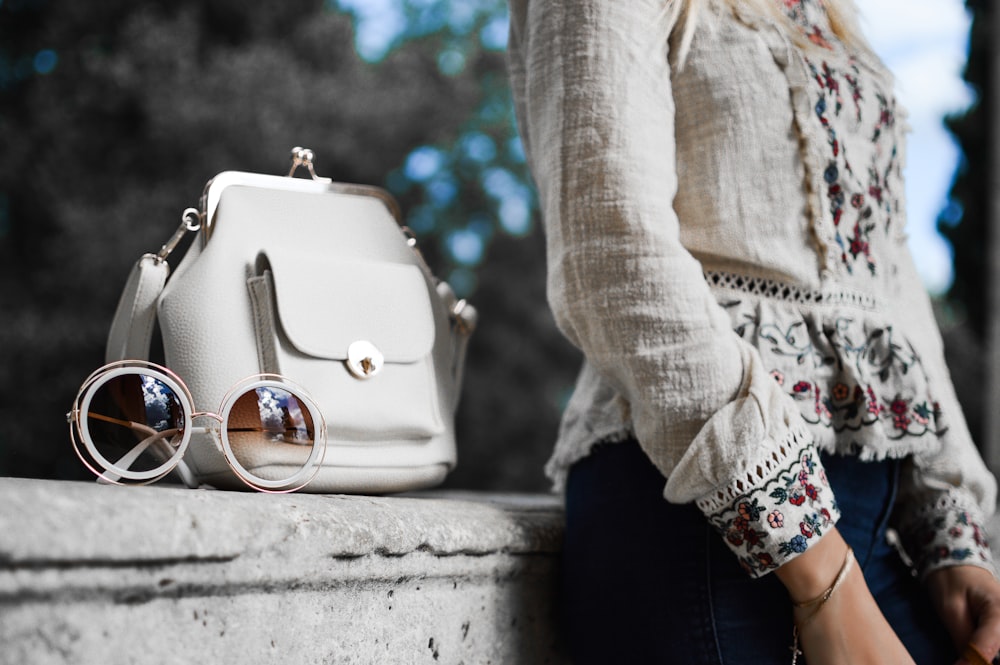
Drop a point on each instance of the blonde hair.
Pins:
(841, 13)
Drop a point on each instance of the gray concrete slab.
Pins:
(93, 574)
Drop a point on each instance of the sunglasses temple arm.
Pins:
(129, 458)
(146, 429)
(187, 477)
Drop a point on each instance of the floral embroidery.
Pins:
(797, 10)
(907, 416)
(871, 119)
(855, 86)
(743, 530)
(880, 180)
(798, 487)
(945, 535)
(855, 244)
(886, 116)
(795, 515)
(847, 379)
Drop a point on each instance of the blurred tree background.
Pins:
(114, 113)
(966, 223)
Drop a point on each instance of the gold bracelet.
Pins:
(819, 601)
(825, 596)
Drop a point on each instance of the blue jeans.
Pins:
(649, 582)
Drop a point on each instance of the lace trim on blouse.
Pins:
(770, 288)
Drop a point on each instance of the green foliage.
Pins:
(114, 114)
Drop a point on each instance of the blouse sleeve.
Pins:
(592, 88)
(945, 495)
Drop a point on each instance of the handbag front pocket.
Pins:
(358, 335)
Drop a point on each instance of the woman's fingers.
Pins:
(985, 638)
(968, 600)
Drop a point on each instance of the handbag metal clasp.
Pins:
(364, 360)
(304, 157)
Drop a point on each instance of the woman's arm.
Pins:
(592, 86)
(591, 82)
(947, 494)
(849, 627)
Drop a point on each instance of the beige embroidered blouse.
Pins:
(726, 244)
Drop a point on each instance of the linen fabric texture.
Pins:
(726, 244)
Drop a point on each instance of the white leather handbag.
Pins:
(316, 281)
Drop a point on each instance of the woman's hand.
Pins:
(968, 600)
(849, 628)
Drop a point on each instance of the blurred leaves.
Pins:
(113, 114)
(485, 162)
(967, 223)
(966, 220)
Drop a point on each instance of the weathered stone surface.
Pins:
(107, 575)
(92, 574)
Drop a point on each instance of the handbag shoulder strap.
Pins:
(135, 316)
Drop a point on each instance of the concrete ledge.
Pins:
(93, 574)
(108, 575)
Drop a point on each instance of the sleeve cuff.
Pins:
(948, 532)
(780, 515)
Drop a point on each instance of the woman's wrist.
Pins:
(814, 571)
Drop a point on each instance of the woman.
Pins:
(721, 188)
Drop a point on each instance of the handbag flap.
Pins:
(325, 304)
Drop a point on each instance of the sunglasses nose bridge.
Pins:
(207, 414)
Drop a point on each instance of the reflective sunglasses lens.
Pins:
(135, 425)
(272, 435)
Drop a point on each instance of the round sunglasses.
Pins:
(132, 422)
